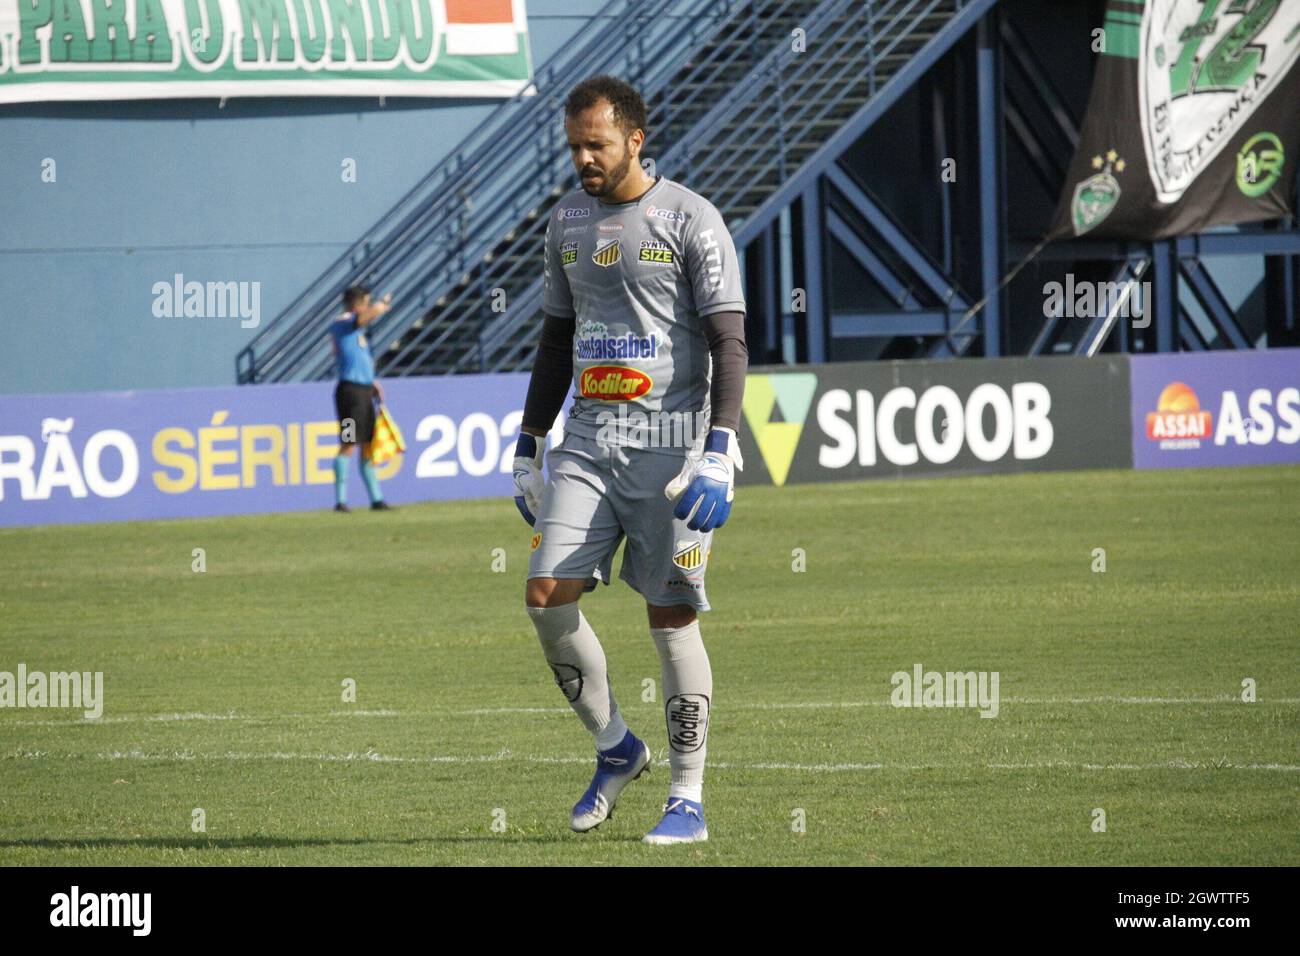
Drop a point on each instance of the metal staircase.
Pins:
(741, 97)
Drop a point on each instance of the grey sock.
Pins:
(688, 692)
(578, 663)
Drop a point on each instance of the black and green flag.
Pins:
(1193, 121)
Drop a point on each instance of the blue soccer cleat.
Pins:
(615, 769)
(683, 822)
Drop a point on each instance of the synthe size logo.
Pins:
(1204, 67)
(653, 250)
(568, 253)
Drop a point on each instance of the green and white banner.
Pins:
(1193, 121)
(152, 49)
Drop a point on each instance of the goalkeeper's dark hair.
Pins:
(629, 108)
(354, 294)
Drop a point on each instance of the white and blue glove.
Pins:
(705, 487)
(529, 483)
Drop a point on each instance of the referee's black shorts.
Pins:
(355, 403)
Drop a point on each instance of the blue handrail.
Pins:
(421, 245)
(752, 135)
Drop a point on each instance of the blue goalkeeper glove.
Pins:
(705, 487)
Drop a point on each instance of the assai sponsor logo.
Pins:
(614, 383)
(607, 252)
(654, 250)
(566, 215)
(568, 253)
(688, 722)
(667, 215)
(594, 342)
(1180, 423)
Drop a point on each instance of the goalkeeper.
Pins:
(644, 314)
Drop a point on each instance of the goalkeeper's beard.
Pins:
(613, 179)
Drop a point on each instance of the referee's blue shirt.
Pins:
(355, 363)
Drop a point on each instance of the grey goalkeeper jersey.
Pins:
(637, 277)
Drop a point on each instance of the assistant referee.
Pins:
(356, 392)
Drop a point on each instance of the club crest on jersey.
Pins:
(614, 383)
(653, 250)
(568, 253)
(607, 252)
(688, 555)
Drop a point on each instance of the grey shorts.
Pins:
(598, 493)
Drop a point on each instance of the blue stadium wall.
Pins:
(252, 191)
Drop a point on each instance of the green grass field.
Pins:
(1119, 690)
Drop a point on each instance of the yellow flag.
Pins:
(388, 441)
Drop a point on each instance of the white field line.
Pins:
(489, 711)
(854, 704)
(505, 756)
